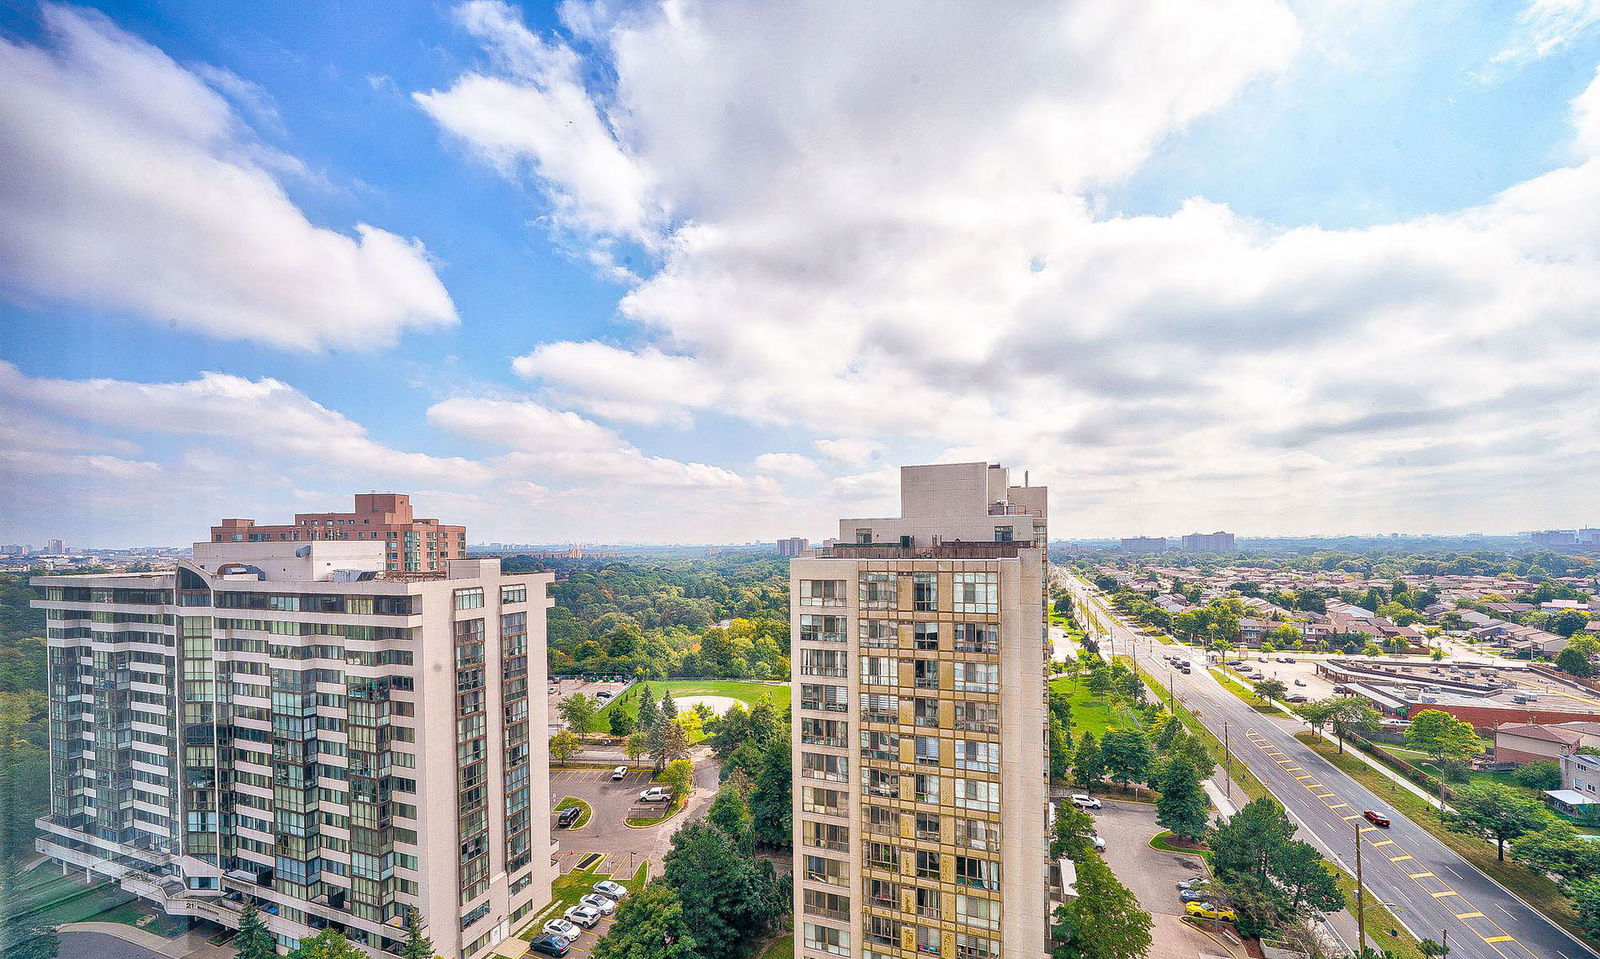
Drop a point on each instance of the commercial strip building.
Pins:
(920, 725)
(1487, 696)
(296, 724)
(410, 544)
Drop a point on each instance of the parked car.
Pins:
(655, 794)
(566, 817)
(611, 890)
(1299, 682)
(620, 773)
(1098, 843)
(1194, 895)
(599, 903)
(1377, 819)
(1295, 698)
(564, 929)
(1193, 882)
(550, 944)
(585, 916)
(1085, 802)
(1206, 910)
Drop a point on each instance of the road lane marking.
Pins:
(1348, 818)
(1303, 777)
(1368, 829)
(1499, 938)
(1399, 858)
(1470, 915)
(1340, 805)
(1421, 875)
(1447, 892)
(1385, 842)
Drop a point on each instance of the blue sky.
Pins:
(708, 277)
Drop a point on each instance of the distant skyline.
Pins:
(711, 272)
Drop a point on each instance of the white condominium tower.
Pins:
(920, 800)
(293, 724)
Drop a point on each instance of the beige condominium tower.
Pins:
(296, 725)
(920, 800)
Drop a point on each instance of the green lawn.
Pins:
(45, 897)
(1233, 685)
(1093, 713)
(569, 887)
(583, 817)
(780, 948)
(747, 691)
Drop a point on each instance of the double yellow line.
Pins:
(1476, 922)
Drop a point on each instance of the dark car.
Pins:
(549, 944)
(1377, 819)
(568, 816)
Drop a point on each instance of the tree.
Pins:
(669, 707)
(678, 777)
(622, 724)
(1586, 901)
(578, 711)
(1126, 753)
(1496, 812)
(650, 925)
(1566, 622)
(1353, 716)
(716, 884)
(771, 798)
(1541, 775)
(668, 742)
(1060, 751)
(1098, 681)
(327, 944)
(416, 946)
(563, 746)
(1088, 766)
(731, 813)
(1442, 736)
(1182, 805)
(647, 711)
(1267, 689)
(1074, 832)
(1578, 658)
(1559, 849)
(253, 940)
(637, 745)
(1319, 712)
(1103, 921)
(1267, 873)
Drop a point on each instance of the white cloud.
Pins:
(1544, 27)
(877, 234)
(133, 185)
(789, 465)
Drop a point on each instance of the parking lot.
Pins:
(560, 689)
(1152, 875)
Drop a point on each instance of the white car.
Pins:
(611, 890)
(599, 903)
(1085, 802)
(564, 929)
(585, 916)
(1098, 843)
(621, 772)
(655, 794)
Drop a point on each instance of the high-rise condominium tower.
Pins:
(410, 543)
(919, 727)
(293, 724)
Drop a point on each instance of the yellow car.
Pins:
(1206, 910)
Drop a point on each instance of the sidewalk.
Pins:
(1410, 786)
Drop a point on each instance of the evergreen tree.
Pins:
(622, 724)
(328, 944)
(669, 708)
(1104, 921)
(647, 713)
(650, 924)
(1182, 805)
(771, 804)
(254, 941)
(417, 946)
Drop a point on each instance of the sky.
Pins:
(695, 271)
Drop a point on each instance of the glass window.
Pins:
(826, 939)
(925, 788)
(877, 670)
(517, 593)
(820, 766)
(977, 756)
(823, 629)
(823, 869)
(977, 638)
(822, 592)
(880, 708)
(879, 591)
(833, 699)
(977, 677)
(928, 750)
(884, 747)
(883, 633)
(469, 598)
(823, 662)
(925, 636)
(925, 591)
(973, 911)
(977, 794)
(976, 592)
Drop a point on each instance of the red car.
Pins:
(1376, 819)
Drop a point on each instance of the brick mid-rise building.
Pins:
(410, 544)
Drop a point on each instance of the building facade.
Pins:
(920, 726)
(793, 546)
(1218, 542)
(410, 544)
(295, 725)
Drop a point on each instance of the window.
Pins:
(822, 592)
(883, 931)
(823, 732)
(976, 592)
(1002, 534)
(884, 747)
(823, 662)
(826, 835)
(864, 536)
(927, 824)
(928, 750)
(975, 834)
(927, 864)
(879, 591)
(876, 670)
(831, 699)
(926, 673)
(925, 636)
(925, 592)
(880, 708)
(977, 756)
(881, 892)
(976, 717)
(973, 911)
(819, 766)
(881, 855)
(884, 785)
(976, 947)
(926, 788)
(977, 873)
(826, 939)
(925, 712)
(977, 638)
(514, 594)
(977, 677)
(828, 905)
(977, 794)
(828, 802)
(882, 633)
(881, 821)
(469, 598)
(831, 871)
(928, 936)
(822, 629)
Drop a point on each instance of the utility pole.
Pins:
(1361, 895)
(1227, 762)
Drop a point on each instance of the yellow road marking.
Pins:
(1384, 842)
(1303, 777)
(1355, 816)
(1368, 829)
(1398, 858)
(1447, 892)
(1340, 805)
(1499, 939)
(1421, 875)
(1470, 915)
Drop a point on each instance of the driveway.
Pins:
(607, 833)
(1152, 875)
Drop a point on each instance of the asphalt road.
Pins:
(1428, 886)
